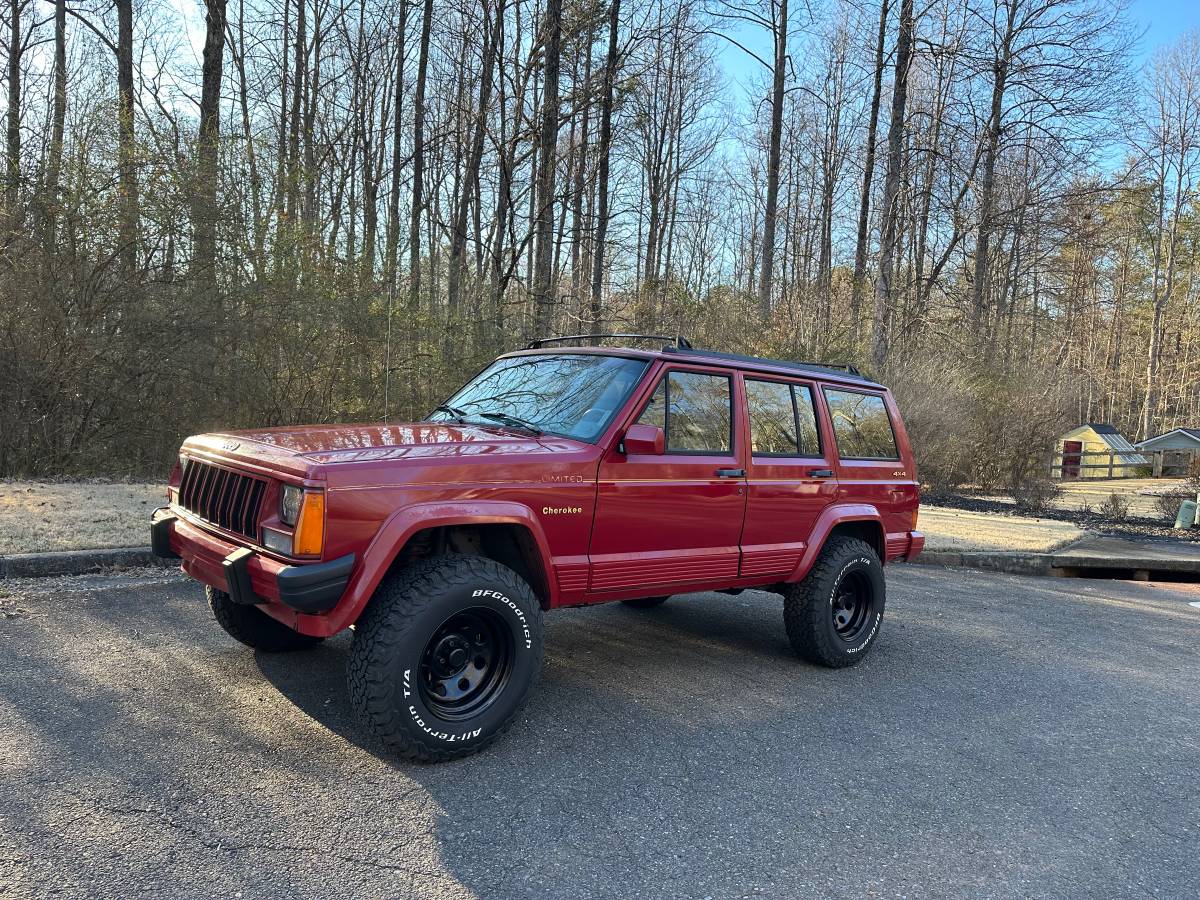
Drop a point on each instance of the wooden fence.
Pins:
(1109, 464)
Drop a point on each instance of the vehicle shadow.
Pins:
(615, 758)
(629, 648)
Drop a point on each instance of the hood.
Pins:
(324, 444)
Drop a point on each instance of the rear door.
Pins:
(790, 477)
(869, 463)
(665, 520)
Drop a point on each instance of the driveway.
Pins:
(1007, 737)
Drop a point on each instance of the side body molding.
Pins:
(831, 516)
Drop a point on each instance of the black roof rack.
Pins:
(786, 363)
(680, 344)
(679, 341)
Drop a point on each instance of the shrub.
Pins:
(972, 426)
(1116, 508)
(1167, 505)
(1035, 494)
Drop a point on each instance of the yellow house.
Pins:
(1095, 450)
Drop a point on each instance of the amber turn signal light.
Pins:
(916, 512)
(309, 539)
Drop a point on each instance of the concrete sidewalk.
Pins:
(1094, 554)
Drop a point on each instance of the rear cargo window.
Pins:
(861, 425)
(694, 411)
(782, 421)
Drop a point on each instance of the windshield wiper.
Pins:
(511, 421)
(454, 411)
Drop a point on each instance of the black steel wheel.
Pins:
(445, 656)
(466, 664)
(852, 605)
(833, 616)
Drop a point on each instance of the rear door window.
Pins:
(861, 425)
(694, 410)
(782, 419)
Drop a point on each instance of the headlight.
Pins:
(290, 499)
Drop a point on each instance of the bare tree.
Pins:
(604, 164)
(543, 277)
(205, 215)
(1170, 145)
(891, 189)
(418, 155)
(864, 205)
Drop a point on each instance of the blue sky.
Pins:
(1165, 21)
(1159, 22)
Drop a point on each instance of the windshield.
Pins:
(574, 395)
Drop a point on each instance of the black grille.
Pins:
(225, 498)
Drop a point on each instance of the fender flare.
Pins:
(830, 517)
(399, 528)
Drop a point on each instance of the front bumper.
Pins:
(248, 577)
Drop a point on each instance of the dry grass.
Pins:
(957, 530)
(1141, 493)
(37, 516)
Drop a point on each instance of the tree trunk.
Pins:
(891, 190)
(577, 191)
(126, 151)
(204, 263)
(1154, 358)
(12, 173)
(391, 254)
(543, 278)
(418, 171)
(987, 181)
(864, 203)
(300, 57)
(458, 237)
(258, 239)
(605, 152)
(766, 281)
(57, 123)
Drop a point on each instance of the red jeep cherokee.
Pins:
(556, 477)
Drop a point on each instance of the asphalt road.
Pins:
(1007, 737)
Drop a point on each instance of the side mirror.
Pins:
(645, 440)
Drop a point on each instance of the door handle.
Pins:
(821, 473)
(731, 473)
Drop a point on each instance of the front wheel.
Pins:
(832, 616)
(446, 656)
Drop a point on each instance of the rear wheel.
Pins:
(253, 627)
(832, 616)
(646, 602)
(446, 656)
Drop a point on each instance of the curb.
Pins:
(77, 562)
(1012, 563)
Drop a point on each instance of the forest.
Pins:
(257, 212)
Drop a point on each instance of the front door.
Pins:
(663, 521)
(790, 477)
(1072, 458)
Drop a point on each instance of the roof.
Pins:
(713, 357)
(1189, 433)
(1114, 440)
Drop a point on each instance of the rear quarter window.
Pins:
(861, 425)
